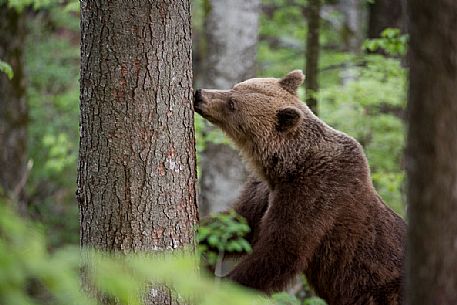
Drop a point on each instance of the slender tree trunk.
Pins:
(312, 54)
(352, 33)
(136, 183)
(231, 38)
(13, 107)
(385, 14)
(431, 153)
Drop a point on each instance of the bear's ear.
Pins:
(292, 81)
(287, 118)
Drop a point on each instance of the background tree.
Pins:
(229, 52)
(136, 183)
(13, 106)
(352, 34)
(431, 151)
(353, 12)
(384, 14)
(312, 53)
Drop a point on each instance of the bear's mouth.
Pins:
(198, 108)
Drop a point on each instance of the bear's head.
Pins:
(256, 108)
(263, 116)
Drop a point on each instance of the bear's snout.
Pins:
(198, 100)
(198, 95)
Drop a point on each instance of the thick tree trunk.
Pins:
(136, 183)
(431, 153)
(231, 40)
(385, 14)
(312, 54)
(13, 107)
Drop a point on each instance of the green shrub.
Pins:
(222, 233)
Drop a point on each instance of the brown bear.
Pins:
(310, 202)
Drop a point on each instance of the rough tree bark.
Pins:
(431, 153)
(13, 107)
(136, 182)
(312, 54)
(231, 40)
(384, 14)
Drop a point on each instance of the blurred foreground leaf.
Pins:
(32, 275)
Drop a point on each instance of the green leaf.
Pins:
(245, 245)
(234, 246)
(202, 233)
(6, 68)
(213, 240)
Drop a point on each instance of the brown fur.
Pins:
(311, 205)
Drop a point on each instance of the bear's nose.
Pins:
(197, 98)
(198, 95)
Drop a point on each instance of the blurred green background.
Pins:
(369, 107)
(362, 93)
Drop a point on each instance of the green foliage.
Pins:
(391, 41)
(6, 68)
(72, 6)
(19, 5)
(290, 18)
(282, 41)
(222, 233)
(282, 33)
(370, 108)
(52, 67)
(32, 276)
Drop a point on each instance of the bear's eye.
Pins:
(231, 104)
